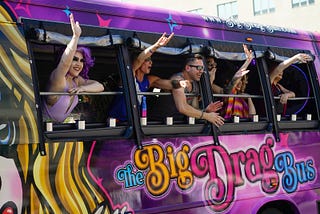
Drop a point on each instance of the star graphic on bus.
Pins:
(102, 22)
(25, 8)
(67, 11)
(171, 23)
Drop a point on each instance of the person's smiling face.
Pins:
(195, 69)
(77, 64)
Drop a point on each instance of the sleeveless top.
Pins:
(118, 108)
(62, 108)
(195, 88)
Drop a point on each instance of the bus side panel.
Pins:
(168, 175)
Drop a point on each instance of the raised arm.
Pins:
(241, 72)
(58, 75)
(249, 57)
(301, 57)
(162, 41)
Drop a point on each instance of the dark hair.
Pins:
(192, 58)
(88, 60)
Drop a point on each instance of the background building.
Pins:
(297, 14)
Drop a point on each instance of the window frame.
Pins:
(244, 126)
(205, 128)
(70, 131)
(301, 3)
(269, 7)
(301, 123)
(224, 6)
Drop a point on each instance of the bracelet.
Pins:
(150, 51)
(201, 116)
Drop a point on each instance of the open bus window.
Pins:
(242, 96)
(299, 112)
(92, 107)
(161, 105)
(244, 89)
(162, 116)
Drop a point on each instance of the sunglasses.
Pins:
(198, 67)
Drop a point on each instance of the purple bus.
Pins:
(263, 164)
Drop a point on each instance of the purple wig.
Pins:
(88, 61)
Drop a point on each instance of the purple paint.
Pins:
(190, 173)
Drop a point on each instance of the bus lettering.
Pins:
(294, 173)
(130, 178)
(158, 165)
(152, 157)
(220, 190)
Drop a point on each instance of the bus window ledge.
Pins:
(175, 129)
(299, 124)
(244, 127)
(88, 133)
